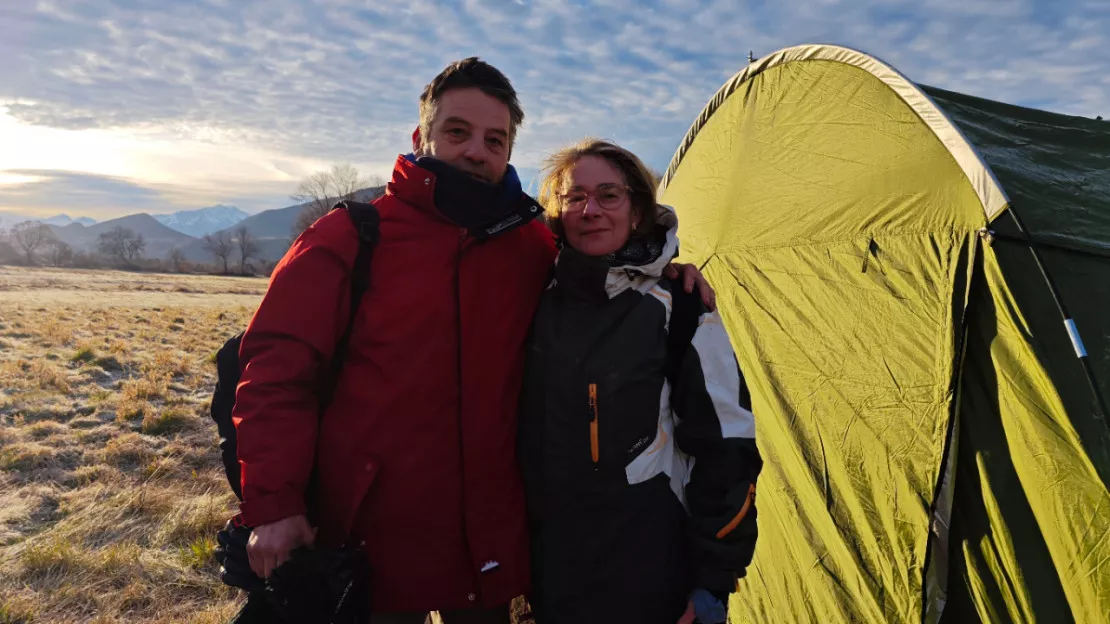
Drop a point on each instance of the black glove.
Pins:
(327, 585)
(231, 552)
(255, 611)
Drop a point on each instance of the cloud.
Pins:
(42, 192)
(78, 193)
(242, 97)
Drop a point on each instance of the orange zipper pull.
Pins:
(594, 450)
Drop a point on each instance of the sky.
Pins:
(111, 107)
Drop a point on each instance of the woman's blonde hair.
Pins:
(556, 173)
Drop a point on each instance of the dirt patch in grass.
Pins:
(169, 420)
(84, 422)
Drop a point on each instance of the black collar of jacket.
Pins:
(582, 276)
(482, 208)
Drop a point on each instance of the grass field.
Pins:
(110, 482)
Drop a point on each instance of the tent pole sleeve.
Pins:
(1069, 324)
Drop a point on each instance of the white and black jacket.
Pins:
(638, 491)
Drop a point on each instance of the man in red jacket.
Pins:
(414, 459)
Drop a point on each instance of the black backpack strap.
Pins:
(367, 223)
(223, 402)
(686, 311)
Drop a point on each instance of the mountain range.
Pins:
(202, 221)
(64, 219)
(271, 229)
(159, 238)
(8, 219)
(195, 223)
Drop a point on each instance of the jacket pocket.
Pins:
(342, 490)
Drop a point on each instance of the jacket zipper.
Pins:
(459, 372)
(595, 450)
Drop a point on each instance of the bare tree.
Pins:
(220, 245)
(248, 246)
(323, 189)
(175, 258)
(29, 236)
(113, 244)
(59, 254)
(122, 244)
(136, 244)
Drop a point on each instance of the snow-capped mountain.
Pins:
(202, 221)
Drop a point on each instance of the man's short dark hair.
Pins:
(470, 73)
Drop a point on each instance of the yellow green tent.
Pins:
(935, 446)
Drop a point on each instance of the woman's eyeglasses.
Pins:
(608, 196)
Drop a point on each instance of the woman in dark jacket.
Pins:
(638, 451)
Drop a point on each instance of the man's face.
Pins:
(470, 131)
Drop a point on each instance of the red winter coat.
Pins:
(416, 456)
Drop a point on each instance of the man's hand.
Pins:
(691, 276)
(270, 544)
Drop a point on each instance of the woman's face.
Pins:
(596, 207)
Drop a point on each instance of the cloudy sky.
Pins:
(109, 107)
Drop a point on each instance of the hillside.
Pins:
(272, 230)
(159, 238)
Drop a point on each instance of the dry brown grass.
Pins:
(111, 488)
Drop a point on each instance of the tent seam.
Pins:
(862, 235)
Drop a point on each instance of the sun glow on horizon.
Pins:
(206, 167)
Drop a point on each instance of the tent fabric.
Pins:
(930, 451)
(990, 193)
(1031, 516)
(1056, 170)
(1016, 513)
